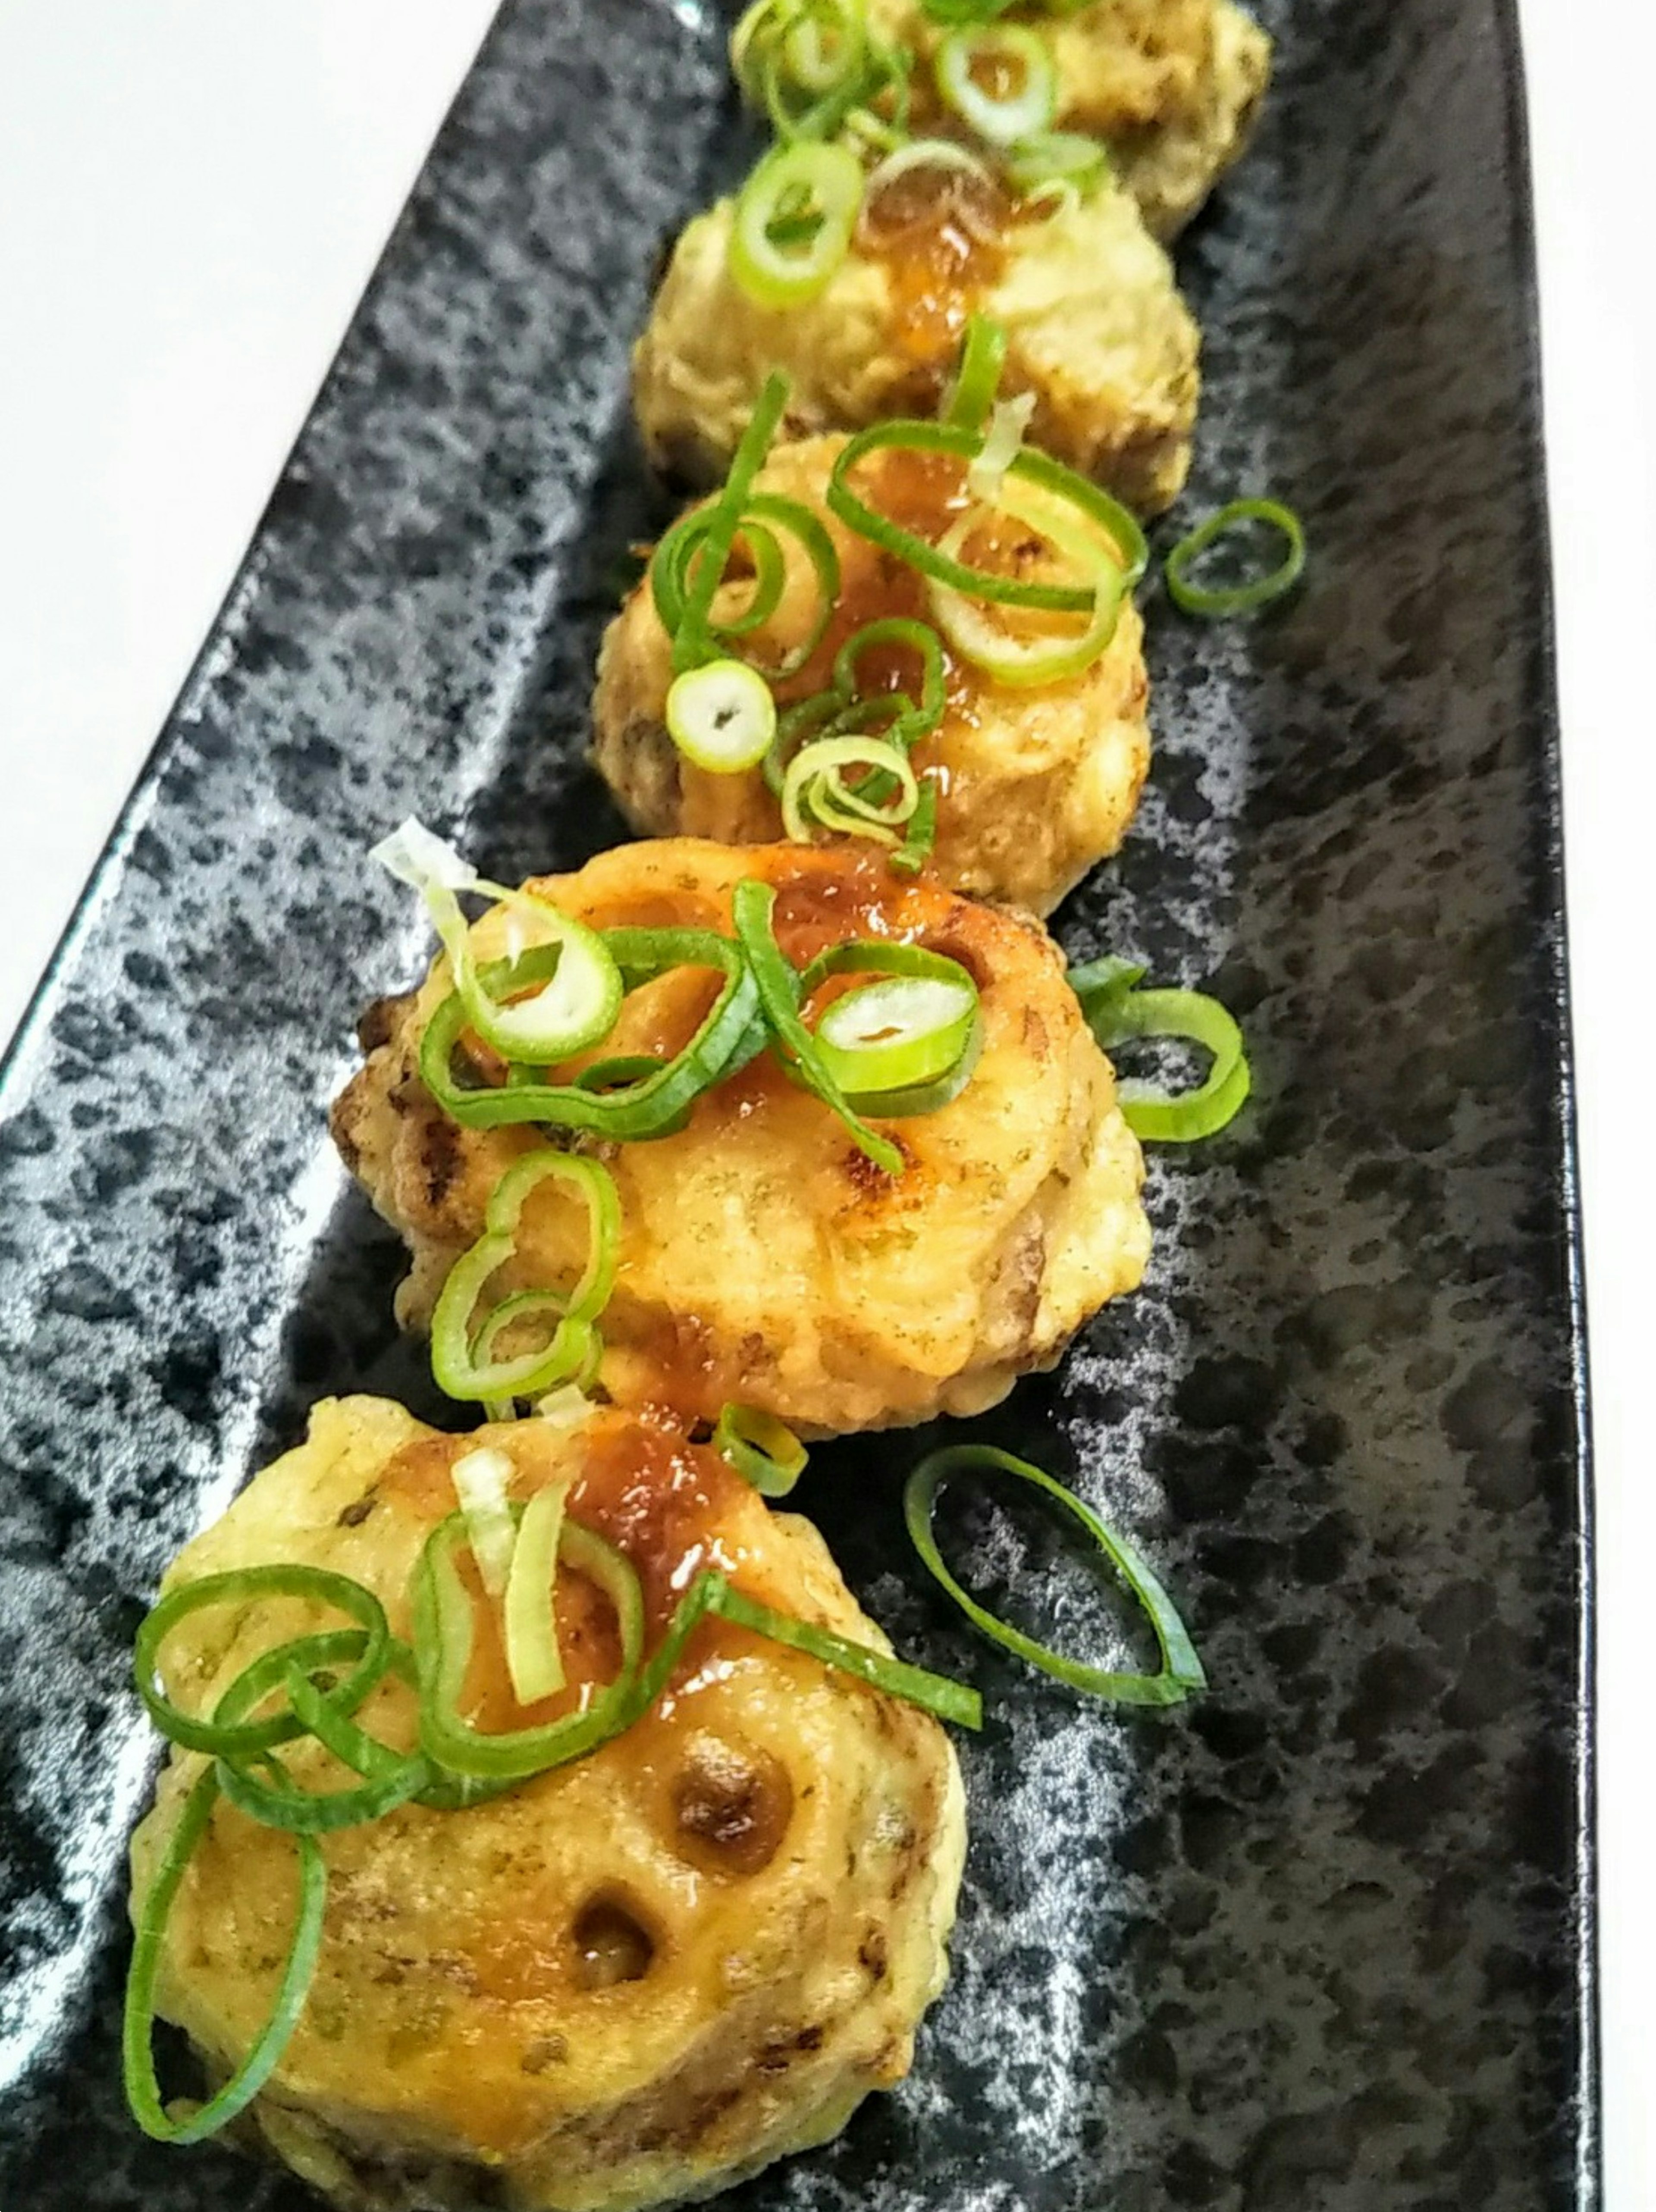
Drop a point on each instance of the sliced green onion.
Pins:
(138, 2020)
(460, 1368)
(693, 637)
(912, 854)
(917, 1686)
(1029, 661)
(965, 11)
(815, 187)
(1001, 442)
(778, 987)
(814, 783)
(1117, 1011)
(893, 1034)
(1031, 468)
(763, 1450)
(967, 401)
(442, 1653)
(1051, 157)
(481, 1480)
(240, 1587)
(912, 964)
(1002, 118)
(763, 513)
(711, 1593)
(721, 716)
(279, 1802)
(1181, 1673)
(1236, 599)
(944, 155)
(532, 1658)
(652, 1106)
(577, 990)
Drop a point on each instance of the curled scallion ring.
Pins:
(721, 716)
(1003, 51)
(1236, 599)
(763, 1450)
(1181, 1672)
(793, 223)
(464, 1369)
(1117, 1011)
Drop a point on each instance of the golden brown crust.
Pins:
(1037, 786)
(1173, 88)
(763, 1258)
(630, 1979)
(1096, 330)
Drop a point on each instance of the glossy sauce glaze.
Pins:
(940, 236)
(671, 1507)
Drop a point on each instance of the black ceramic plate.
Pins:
(1322, 1944)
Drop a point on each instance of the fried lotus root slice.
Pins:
(1096, 332)
(631, 1979)
(762, 1257)
(1171, 87)
(1037, 784)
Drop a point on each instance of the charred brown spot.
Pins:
(379, 1023)
(731, 1807)
(867, 1176)
(611, 1943)
(873, 1953)
(439, 1156)
(546, 2050)
(354, 1515)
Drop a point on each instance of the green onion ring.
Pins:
(829, 178)
(655, 1104)
(1181, 1673)
(529, 1615)
(671, 567)
(1029, 466)
(815, 778)
(443, 1652)
(1116, 1010)
(1236, 599)
(912, 854)
(1048, 157)
(1020, 115)
(693, 639)
(896, 1032)
(460, 1368)
(578, 993)
(1027, 663)
(711, 1593)
(874, 956)
(967, 401)
(138, 2012)
(763, 1450)
(773, 974)
(721, 716)
(242, 1586)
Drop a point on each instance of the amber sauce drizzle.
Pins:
(941, 235)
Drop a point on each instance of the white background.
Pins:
(192, 193)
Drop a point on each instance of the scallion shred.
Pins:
(1181, 1673)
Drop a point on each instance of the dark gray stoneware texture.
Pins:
(1322, 1944)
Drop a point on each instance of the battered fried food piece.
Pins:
(1038, 785)
(762, 1257)
(1172, 86)
(1096, 330)
(630, 1979)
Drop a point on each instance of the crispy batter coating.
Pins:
(1172, 86)
(762, 1257)
(628, 1981)
(1038, 785)
(1096, 330)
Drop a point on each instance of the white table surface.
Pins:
(192, 193)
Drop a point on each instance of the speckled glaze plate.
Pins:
(1323, 1944)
